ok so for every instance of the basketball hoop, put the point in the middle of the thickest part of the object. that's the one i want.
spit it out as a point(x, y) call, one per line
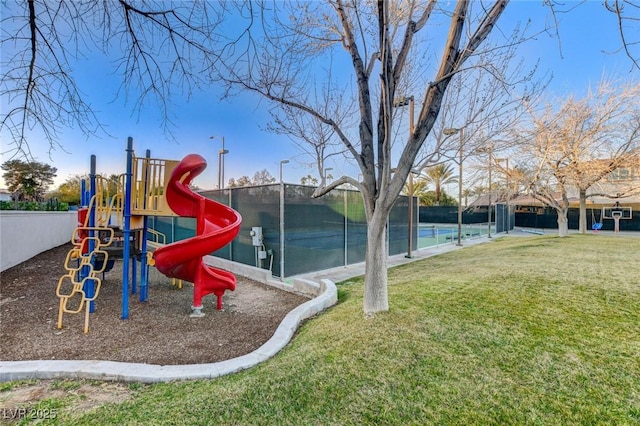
point(621, 212)
point(617, 213)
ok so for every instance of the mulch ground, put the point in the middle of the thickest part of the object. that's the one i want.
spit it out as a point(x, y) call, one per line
point(159, 331)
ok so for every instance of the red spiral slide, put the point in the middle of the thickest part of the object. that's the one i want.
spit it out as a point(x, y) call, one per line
point(216, 226)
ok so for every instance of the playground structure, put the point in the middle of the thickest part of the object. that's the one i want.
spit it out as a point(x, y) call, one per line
point(112, 224)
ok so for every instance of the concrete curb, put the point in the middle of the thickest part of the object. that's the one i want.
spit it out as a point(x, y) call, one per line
point(326, 296)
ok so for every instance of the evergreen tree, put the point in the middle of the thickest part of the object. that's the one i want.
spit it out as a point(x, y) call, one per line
point(28, 181)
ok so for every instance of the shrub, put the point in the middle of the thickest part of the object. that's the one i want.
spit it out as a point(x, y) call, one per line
point(50, 205)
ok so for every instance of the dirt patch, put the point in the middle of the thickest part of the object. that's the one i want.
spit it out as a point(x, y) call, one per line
point(159, 331)
point(22, 401)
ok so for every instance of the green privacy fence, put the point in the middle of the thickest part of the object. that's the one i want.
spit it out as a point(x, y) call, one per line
point(502, 216)
point(314, 234)
point(319, 233)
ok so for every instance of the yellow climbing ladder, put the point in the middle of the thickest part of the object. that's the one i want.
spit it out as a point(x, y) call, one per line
point(71, 289)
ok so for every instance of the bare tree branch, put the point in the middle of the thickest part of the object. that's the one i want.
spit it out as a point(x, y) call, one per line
point(624, 11)
point(42, 39)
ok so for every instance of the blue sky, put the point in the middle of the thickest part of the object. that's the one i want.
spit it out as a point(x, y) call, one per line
point(588, 39)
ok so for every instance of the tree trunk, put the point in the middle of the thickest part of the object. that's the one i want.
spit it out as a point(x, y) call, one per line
point(563, 223)
point(376, 298)
point(582, 227)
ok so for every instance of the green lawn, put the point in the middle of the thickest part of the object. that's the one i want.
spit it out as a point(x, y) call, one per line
point(537, 330)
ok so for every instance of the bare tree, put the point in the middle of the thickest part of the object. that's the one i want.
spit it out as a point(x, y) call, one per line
point(481, 107)
point(377, 38)
point(575, 146)
point(484, 101)
point(163, 49)
point(240, 182)
point(316, 140)
point(261, 177)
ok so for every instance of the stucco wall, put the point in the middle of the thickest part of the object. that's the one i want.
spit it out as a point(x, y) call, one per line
point(24, 234)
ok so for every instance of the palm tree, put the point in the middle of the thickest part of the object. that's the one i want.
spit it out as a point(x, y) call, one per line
point(466, 193)
point(440, 175)
point(420, 190)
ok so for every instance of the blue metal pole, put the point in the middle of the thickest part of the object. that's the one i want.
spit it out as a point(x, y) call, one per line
point(89, 287)
point(83, 193)
point(127, 230)
point(83, 203)
point(144, 273)
point(134, 274)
